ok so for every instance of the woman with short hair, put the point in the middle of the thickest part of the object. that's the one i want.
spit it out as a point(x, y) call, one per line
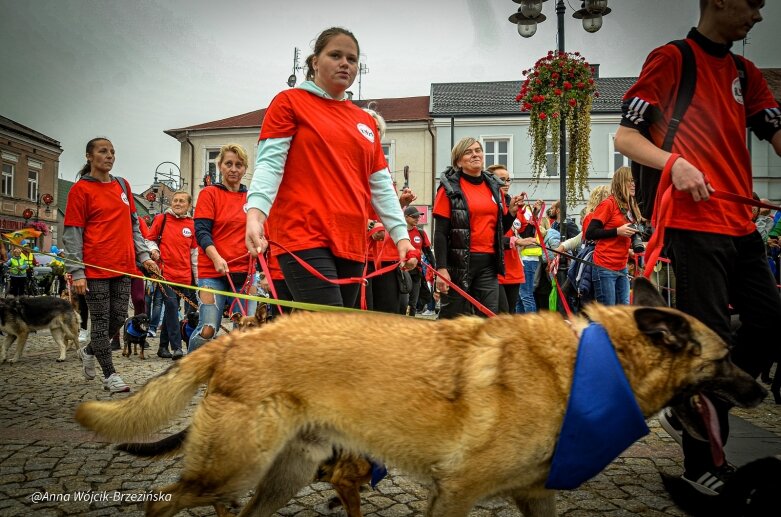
point(471, 213)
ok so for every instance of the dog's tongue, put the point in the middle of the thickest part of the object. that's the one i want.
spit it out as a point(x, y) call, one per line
point(711, 421)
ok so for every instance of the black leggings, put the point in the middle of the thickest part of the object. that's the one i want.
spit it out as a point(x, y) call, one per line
point(108, 300)
point(305, 287)
point(508, 297)
point(483, 286)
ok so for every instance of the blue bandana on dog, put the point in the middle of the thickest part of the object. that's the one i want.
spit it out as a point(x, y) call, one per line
point(133, 331)
point(602, 418)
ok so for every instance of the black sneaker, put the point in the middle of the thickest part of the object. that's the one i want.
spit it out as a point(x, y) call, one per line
point(710, 482)
point(164, 353)
point(671, 424)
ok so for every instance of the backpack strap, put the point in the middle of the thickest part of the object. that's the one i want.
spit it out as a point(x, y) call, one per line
point(162, 227)
point(685, 91)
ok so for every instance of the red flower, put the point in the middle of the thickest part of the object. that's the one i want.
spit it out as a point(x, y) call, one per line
point(590, 81)
point(558, 92)
point(596, 94)
point(554, 75)
point(572, 102)
point(518, 97)
point(527, 106)
point(543, 116)
point(581, 85)
point(555, 115)
point(567, 85)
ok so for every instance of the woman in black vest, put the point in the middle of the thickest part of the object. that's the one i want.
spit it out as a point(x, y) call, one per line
point(471, 213)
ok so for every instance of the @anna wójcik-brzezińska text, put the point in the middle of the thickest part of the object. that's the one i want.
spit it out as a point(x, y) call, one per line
point(95, 496)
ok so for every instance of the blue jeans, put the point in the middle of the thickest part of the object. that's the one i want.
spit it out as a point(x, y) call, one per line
point(525, 301)
point(610, 287)
point(210, 314)
point(154, 305)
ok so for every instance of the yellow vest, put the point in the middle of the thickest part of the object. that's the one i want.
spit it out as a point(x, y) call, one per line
point(17, 266)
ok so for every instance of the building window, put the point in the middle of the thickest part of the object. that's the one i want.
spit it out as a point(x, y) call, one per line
point(553, 166)
point(617, 160)
point(8, 180)
point(32, 185)
point(211, 165)
point(389, 150)
point(498, 150)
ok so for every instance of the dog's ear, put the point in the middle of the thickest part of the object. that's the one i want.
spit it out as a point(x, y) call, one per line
point(666, 328)
point(645, 293)
point(235, 317)
point(262, 313)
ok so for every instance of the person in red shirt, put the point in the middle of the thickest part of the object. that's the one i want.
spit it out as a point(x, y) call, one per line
point(612, 225)
point(471, 213)
point(420, 240)
point(717, 255)
point(319, 166)
point(102, 231)
point(219, 230)
point(174, 233)
point(511, 281)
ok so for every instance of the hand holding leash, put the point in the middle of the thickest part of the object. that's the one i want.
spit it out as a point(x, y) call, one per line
point(151, 266)
point(408, 255)
point(254, 238)
point(688, 178)
point(79, 286)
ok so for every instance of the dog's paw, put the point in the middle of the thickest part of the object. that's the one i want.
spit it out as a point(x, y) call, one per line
point(12, 360)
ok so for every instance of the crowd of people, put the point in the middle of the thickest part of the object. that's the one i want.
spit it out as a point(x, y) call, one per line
point(490, 252)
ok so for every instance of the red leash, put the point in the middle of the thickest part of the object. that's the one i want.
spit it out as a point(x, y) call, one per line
point(663, 211)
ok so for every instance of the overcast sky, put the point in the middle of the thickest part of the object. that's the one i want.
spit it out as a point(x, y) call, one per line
point(130, 69)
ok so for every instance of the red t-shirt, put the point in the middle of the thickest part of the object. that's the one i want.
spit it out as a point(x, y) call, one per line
point(175, 245)
point(712, 134)
point(612, 252)
point(227, 211)
point(103, 210)
point(324, 196)
point(418, 238)
point(483, 214)
point(586, 219)
point(512, 259)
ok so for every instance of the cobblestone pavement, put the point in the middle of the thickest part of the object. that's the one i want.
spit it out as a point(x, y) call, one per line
point(44, 453)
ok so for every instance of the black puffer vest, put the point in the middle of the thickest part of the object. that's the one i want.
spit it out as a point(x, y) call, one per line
point(459, 238)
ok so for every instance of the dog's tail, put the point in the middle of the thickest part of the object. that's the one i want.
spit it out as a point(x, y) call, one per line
point(165, 447)
point(156, 403)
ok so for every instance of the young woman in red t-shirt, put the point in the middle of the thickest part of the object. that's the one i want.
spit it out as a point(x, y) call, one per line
point(219, 230)
point(319, 166)
point(101, 229)
point(611, 226)
point(471, 213)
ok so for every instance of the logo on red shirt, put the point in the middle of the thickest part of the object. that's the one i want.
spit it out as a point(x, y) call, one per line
point(124, 199)
point(187, 233)
point(416, 239)
point(737, 92)
point(366, 132)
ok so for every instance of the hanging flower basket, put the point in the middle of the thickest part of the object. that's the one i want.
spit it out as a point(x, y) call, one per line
point(560, 85)
point(40, 226)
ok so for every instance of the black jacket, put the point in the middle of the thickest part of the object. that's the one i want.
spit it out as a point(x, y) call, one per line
point(454, 235)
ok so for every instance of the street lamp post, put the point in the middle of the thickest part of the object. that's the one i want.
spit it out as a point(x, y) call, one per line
point(175, 181)
point(528, 16)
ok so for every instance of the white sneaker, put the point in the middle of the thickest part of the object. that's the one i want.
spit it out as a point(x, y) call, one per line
point(428, 312)
point(83, 336)
point(151, 333)
point(115, 384)
point(87, 363)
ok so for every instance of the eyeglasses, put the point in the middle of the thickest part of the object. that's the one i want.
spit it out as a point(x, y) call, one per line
point(416, 216)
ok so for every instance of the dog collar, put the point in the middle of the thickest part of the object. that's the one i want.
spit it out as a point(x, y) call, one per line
point(133, 331)
point(602, 417)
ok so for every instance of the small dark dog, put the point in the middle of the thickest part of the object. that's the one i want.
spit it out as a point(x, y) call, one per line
point(245, 323)
point(134, 333)
point(751, 492)
point(188, 325)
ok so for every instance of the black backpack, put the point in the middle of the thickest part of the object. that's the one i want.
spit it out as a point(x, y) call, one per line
point(647, 178)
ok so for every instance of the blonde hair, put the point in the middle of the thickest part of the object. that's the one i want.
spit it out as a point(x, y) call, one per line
point(460, 148)
point(381, 126)
point(189, 196)
point(234, 148)
point(619, 188)
point(598, 195)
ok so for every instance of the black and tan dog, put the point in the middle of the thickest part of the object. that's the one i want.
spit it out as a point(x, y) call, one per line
point(134, 335)
point(22, 315)
point(244, 323)
point(477, 410)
